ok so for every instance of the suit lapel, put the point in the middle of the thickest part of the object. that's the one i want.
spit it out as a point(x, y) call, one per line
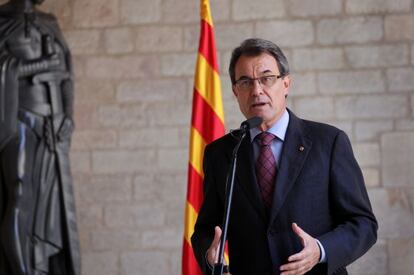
point(246, 179)
point(294, 153)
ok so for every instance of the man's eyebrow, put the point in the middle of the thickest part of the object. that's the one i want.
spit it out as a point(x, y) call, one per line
point(262, 73)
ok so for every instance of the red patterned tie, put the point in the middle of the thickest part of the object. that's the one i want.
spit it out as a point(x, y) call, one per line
point(266, 168)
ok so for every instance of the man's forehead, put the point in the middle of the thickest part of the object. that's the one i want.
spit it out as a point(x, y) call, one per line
point(258, 64)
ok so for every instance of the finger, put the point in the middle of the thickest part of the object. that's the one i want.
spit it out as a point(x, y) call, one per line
point(298, 256)
point(302, 234)
point(212, 255)
point(299, 267)
point(217, 235)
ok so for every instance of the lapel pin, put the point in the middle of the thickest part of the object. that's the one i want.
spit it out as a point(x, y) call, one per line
point(301, 148)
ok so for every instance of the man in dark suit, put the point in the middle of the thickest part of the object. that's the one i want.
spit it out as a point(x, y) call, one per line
point(299, 203)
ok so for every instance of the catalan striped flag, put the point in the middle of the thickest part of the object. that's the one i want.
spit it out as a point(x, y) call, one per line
point(207, 124)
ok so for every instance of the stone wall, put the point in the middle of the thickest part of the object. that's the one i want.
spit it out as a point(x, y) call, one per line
point(352, 66)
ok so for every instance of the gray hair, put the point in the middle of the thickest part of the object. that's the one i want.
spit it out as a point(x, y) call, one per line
point(255, 47)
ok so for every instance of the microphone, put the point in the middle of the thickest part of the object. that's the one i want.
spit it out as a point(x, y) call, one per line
point(250, 123)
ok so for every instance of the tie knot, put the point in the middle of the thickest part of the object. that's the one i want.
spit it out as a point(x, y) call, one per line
point(265, 138)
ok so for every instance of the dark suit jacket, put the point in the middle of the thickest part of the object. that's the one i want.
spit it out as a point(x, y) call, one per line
point(321, 188)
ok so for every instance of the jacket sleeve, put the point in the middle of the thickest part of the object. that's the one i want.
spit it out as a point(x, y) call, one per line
point(210, 214)
point(355, 225)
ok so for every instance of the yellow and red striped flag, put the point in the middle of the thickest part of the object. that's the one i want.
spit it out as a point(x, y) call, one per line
point(207, 124)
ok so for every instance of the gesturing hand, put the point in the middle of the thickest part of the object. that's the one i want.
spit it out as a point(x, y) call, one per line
point(305, 260)
point(213, 250)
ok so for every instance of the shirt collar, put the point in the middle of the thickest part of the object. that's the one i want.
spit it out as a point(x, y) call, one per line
point(278, 129)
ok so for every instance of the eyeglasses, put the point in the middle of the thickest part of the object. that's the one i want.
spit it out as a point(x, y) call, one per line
point(266, 81)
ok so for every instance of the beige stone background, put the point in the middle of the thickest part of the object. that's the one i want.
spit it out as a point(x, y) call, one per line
point(353, 66)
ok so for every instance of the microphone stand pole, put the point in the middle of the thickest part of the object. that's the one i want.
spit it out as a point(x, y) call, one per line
point(219, 267)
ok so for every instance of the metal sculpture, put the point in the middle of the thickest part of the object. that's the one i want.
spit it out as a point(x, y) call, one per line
point(38, 232)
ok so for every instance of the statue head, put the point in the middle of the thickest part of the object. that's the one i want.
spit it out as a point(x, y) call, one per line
point(37, 2)
point(26, 3)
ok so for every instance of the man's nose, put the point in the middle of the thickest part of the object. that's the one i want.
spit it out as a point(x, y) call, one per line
point(257, 88)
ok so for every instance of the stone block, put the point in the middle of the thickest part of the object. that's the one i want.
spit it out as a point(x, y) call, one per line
point(144, 262)
point(384, 106)
point(180, 11)
point(102, 263)
point(134, 216)
point(317, 59)
point(375, 262)
point(150, 138)
point(398, 161)
point(84, 238)
point(401, 253)
point(119, 40)
point(175, 259)
point(122, 67)
point(78, 65)
point(151, 90)
point(233, 116)
point(310, 107)
point(122, 161)
point(61, 9)
point(369, 130)
point(167, 114)
point(132, 116)
point(93, 92)
point(115, 240)
point(140, 11)
point(159, 39)
point(173, 187)
point(399, 27)
point(220, 10)
point(82, 42)
point(107, 188)
point(302, 84)
point(412, 54)
point(146, 189)
point(371, 177)
point(179, 64)
point(292, 33)
point(393, 211)
point(89, 216)
point(350, 30)
point(377, 56)
point(401, 79)
point(94, 139)
point(376, 6)
point(170, 159)
point(229, 36)
point(314, 8)
point(224, 61)
point(247, 10)
point(367, 154)
point(176, 216)
point(191, 38)
point(85, 116)
point(163, 239)
point(405, 124)
point(80, 161)
point(95, 13)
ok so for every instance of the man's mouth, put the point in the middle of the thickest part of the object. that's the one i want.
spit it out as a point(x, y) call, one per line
point(258, 105)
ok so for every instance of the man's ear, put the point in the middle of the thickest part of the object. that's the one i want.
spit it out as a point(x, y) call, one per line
point(233, 88)
point(287, 81)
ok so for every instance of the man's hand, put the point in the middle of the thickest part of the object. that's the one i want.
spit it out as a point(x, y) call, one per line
point(305, 260)
point(213, 250)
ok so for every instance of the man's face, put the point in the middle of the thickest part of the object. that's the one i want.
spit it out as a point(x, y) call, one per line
point(269, 103)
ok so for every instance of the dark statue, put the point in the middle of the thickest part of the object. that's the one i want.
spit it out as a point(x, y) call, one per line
point(38, 232)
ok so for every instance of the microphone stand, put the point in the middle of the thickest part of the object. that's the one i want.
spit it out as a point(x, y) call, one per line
point(219, 267)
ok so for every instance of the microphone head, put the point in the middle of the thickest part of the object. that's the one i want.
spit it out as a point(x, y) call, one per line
point(251, 123)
